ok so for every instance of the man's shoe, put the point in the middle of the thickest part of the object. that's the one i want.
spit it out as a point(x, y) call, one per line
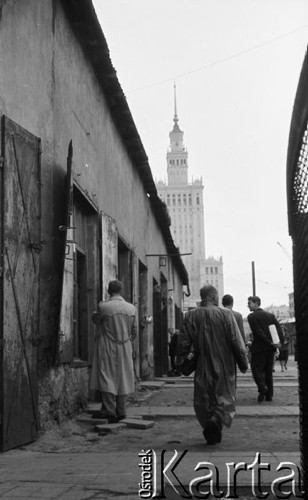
point(212, 433)
point(268, 395)
point(113, 419)
point(100, 414)
point(261, 397)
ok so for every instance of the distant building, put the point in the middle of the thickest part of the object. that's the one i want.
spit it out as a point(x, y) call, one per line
point(185, 204)
point(291, 305)
point(211, 273)
point(281, 312)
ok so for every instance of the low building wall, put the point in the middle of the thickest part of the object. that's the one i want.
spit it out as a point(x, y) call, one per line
point(63, 392)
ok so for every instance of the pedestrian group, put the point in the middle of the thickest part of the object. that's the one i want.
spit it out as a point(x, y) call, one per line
point(211, 342)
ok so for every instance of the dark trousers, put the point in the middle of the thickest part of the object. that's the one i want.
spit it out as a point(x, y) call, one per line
point(262, 371)
point(172, 361)
point(113, 405)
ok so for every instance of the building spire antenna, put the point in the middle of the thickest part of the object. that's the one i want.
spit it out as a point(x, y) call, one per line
point(175, 119)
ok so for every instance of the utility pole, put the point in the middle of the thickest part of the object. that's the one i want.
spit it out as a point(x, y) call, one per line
point(253, 278)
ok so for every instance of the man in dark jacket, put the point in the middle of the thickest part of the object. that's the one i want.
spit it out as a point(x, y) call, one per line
point(174, 334)
point(227, 301)
point(262, 348)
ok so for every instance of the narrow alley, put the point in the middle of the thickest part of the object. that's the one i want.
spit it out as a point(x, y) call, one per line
point(73, 461)
point(142, 200)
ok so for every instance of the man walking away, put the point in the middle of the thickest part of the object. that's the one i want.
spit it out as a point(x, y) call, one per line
point(112, 368)
point(227, 301)
point(212, 333)
point(262, 348)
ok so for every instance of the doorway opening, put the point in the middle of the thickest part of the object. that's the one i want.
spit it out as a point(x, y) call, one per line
point(125, 270)
point(87, 271)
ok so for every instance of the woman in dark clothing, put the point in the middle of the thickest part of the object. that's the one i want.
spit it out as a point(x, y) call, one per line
point(284, 351)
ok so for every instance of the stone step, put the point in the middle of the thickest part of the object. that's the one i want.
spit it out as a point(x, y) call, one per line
point(138, 423)
point(109, 428)
point(190, 380)
point(152, 384)
point(258, 410)
point(87, 419)
point(240, 385)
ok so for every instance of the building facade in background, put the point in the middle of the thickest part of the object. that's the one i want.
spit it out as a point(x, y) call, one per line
point(185, 205)
point(211, 273)
point(291, 305)
point(281, 312)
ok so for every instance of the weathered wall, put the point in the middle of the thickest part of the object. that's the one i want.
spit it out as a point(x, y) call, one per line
point(62, 392)
point(49, 88)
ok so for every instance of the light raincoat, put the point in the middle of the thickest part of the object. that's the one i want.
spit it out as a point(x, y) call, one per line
point(213, 334)
point(112, 367)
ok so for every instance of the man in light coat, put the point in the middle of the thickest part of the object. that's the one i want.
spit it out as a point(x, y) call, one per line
point(211, 332)
point(112, 368)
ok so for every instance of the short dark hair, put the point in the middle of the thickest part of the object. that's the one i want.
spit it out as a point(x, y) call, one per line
point(115, 286)
point(208, 292)
point(255, 299)
point(227, 300)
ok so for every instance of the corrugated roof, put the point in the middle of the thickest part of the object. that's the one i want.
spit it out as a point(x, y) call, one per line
point(82, 17)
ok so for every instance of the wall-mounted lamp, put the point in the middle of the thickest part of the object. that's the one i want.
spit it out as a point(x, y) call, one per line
point(146, 320)
point(162, 261)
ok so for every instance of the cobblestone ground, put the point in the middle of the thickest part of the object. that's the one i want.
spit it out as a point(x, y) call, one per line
point(283, 396)
point(265, 434)
point(245, 434)
point(251, 435)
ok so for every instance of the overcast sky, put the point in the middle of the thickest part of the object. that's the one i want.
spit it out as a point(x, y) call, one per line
point(236, 65)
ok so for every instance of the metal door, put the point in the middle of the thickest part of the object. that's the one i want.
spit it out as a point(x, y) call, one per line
point(19, 293)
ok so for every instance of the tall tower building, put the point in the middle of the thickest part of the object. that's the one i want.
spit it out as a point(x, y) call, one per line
point(185, 204)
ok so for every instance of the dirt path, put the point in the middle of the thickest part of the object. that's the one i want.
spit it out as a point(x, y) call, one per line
point(264, 434)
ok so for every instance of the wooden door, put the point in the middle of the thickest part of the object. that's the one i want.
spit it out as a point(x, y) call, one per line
point(157, 332)
point(125, 272)
point(64, 344)
point(19, 295)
